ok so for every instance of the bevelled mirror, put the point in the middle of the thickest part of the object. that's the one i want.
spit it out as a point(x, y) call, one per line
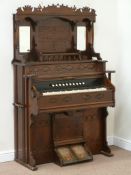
point(24, 39)
point(81, 37)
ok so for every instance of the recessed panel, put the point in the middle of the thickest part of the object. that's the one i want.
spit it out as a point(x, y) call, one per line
point(53, 36)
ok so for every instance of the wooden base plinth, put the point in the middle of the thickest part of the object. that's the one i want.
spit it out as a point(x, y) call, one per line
point(33, 168)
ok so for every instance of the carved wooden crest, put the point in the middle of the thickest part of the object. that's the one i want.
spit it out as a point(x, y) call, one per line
point(57, 10)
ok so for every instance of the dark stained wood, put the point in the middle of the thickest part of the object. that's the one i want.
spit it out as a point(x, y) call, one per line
point(67, 69)
point(44, 123)
point(58, 10)
point(68, 100)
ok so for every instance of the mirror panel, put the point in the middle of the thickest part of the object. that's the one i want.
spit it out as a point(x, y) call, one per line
point(81, 38)
point(24, 39)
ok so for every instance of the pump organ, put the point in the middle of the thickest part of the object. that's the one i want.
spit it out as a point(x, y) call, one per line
point(61, 92)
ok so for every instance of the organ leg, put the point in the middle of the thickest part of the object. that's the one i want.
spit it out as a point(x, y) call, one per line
point(105, 149)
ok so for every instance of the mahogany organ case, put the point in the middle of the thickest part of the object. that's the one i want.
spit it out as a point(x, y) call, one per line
point(61, 87)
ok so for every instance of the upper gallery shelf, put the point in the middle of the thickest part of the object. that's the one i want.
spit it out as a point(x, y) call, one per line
point(51, 30)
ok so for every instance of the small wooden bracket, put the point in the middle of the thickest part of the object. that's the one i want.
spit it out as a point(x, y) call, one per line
point(19, 105)
point(109, 72)
point(29, 76)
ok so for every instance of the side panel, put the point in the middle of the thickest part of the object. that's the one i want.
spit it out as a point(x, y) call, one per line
point(15, 111)
point(41, 141)
point(95, 129)
point(19, 90)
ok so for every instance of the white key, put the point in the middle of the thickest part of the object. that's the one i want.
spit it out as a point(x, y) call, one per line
point(74, 91)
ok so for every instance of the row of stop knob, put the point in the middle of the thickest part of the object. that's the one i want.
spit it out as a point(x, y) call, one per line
point(67, 84)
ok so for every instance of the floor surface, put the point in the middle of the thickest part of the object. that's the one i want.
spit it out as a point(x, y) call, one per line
point(119, 164)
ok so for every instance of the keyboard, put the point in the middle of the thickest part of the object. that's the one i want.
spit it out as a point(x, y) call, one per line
point(74, 91)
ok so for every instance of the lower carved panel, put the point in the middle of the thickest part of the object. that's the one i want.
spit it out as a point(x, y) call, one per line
point(68, 126)
point(41, 138)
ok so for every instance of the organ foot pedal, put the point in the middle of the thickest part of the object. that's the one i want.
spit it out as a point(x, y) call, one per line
point(71, 154)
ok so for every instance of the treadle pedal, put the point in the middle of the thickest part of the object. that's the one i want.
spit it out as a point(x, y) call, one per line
point(71, 154)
